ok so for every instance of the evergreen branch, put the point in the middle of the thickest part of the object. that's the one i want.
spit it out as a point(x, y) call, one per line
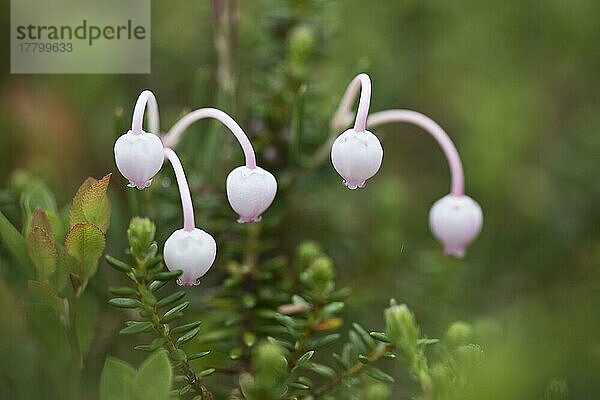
point(355, 370)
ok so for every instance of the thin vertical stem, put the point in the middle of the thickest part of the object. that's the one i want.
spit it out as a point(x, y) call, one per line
point(223, 24)
point(184, 190)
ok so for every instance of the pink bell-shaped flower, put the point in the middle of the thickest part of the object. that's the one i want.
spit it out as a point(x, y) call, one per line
point(250, 192)
point(193, 252)
point(455, 221)
point(139, 157)
point(356, 156)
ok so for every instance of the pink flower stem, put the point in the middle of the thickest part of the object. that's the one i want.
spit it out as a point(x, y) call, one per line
point(184, 190)
point(429, 125)
point(146, 98)
point(172, 137)
point(344, 112)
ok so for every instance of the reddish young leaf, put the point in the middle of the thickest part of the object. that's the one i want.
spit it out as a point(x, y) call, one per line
point(64, 264)
point(40, 219)
point(42, 252)
point(76, 212)
point(85, 243)
point(95, 204)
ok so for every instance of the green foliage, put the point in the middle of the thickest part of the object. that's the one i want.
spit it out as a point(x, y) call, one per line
point(281, 329)
point(85, 244)
point(147, 276)
point(54, 261)
point(518, 98)
point(42, 252)
point(90, 204)
point(270, 370)
point(36, 195)
point(15, 244)
point(153, 380)
point(50, 260)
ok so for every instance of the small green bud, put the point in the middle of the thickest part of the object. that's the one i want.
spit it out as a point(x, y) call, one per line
point(322, 270)
point(307, 252)
point(557, 389)
point(270, 366)
point(458, 333)
point(301, 44)
point(377, 391)
point(401, 327)
point(319, 276)
point(270, 356)
point(18, 180)
point(141, 235)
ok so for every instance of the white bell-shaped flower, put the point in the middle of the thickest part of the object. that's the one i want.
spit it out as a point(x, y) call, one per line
point(139, 157)
point(193, 252)
point(356, 156)
point(250, 192)
point(455, 221)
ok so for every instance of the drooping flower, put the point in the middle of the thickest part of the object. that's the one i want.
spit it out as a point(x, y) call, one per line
point(250, 192)
point(139, 157)
point(250, 189)
point(455, 221)
point(193, 252)
point(356, 156)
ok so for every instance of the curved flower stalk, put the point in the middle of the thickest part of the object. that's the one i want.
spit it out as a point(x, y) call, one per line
point(189, 249)
point(146, 102)
point(138, 154)
point(250, 189)
point(344, 114)
point(455, 219)
point(356, 154)
point(436, 131)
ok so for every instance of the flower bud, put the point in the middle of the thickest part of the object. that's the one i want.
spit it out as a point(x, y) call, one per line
point(250, 192)
point(458, 333)
point(356, 156)
point(18, 180)
point(322, 270)
point(307, 252)
point(270, 371)
point(139, 157)
point(301, 44)
point(455, 221)
point(193, 252)
point(401, 327)
point(140, 234)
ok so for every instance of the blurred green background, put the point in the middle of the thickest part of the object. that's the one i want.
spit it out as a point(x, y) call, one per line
point(515, 84)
